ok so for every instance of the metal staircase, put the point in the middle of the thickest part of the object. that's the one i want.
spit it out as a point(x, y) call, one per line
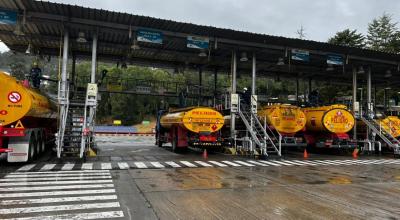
point(376, 127)
point(262, 137)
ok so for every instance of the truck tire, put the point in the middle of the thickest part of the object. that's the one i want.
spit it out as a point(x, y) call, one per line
point(175, 142)
point(32, 147)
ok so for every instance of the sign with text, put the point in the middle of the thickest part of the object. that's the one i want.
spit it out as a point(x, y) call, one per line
point(334, 59)
point(300, 55)
point(198, 42)
point(150, 36)
point(8, 17)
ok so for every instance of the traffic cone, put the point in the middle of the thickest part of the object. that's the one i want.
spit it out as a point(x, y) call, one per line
point(205, 154)
point(305, 154)
point(355, 153)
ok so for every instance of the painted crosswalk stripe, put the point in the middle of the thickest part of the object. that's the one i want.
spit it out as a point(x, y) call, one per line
point(270, 163)
point(257, 163)
point(55, 178)
point(392, 161)
point(187, 163)
point(217, 163)
point(61, 171)
point(91, 215)
point(305, 162)
point(204, 164)
point(244, 163)
point(68, 166)
point(140, 165)
point(323, 162)
point(57, 199)
point(123, 165)
point(87, 166)
point(56, 175)
point(157, 164)
point(57, 193)
point(26, 183)
point(292, 162)
point(231, 163)
point(27, 167)
point(106, 166)
point(59, 208)
point(48, 166)
point(283, 163)
point(40, 188)
point(173, 164)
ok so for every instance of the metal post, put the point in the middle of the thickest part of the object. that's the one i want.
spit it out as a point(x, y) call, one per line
point(369, 91)
point(253, 75)
point(94, 59)
point(73, 71)
point(233, 88)
point(64, 65)
point(354, 100)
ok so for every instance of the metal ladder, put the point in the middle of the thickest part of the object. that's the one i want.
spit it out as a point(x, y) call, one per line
point(375, 126)
point(260, 136)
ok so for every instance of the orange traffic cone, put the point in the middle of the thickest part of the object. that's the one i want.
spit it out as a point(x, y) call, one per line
point(205, 154)
point(355, 153)
point(305, 154)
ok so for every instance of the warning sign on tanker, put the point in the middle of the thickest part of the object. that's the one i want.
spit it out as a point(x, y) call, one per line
point(14, 97)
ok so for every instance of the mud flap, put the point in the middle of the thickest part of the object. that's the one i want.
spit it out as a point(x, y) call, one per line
point(20, 148)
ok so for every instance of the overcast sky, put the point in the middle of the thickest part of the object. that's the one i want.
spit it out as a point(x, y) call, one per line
point(320, 18)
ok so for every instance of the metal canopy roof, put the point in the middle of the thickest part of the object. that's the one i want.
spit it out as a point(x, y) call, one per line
point(45, 22)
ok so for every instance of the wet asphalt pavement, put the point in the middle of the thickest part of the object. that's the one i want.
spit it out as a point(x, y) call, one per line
point(329, 191)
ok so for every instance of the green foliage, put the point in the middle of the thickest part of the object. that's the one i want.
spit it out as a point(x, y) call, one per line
point(349, 38)
point(383, 35)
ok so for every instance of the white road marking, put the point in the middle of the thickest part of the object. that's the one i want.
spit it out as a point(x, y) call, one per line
point(56, 175)
point(244, 163)
point(305, 162)
point(231, 163)
point(39, 188)
point(123, 165)
point(257, 163)
point(87, 166)
point(61, 171)
point(392, 161)
point(292, 162)
point(25, 183)
point(68, 166)
point(157, 164)
point(270, 163)
point(58, 199)
point(173, 164)
point(204, 164)
point(188, 164)
point(57, 193)
point(56, 178)
point(48, 166)
point(140, 165)
point(283, 163)
point(94, 215)
point(106, 166)
point(27, 167)
point(217, 163)
point(59, 208)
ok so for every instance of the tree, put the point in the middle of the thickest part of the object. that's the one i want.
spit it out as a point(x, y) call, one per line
point(383, 34)
point(348, 38)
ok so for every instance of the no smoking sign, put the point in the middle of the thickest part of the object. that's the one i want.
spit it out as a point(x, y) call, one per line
point(14, 97)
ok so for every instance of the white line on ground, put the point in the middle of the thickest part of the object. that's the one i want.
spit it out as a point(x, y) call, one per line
point(204, 164)
point(292, 162)
point(87, 166)
point(106, 166)
point(305, 162)
point(27, 167)
point(123, 165)
point(244, 163)
point(68, 166)
point(157, 164)
point(58, 199)
point(55, 178)
point(57, 193)
point(41, 188)
point(173, 164)
point(61, 171)
point(92, 215)
point(257, 163)
point(55, 175)
point(231, 163)
point(217, 163)
point(48, 167)
point(25, 183)
point(59, 208)
point(283, 163)
point(188, 164)
point(270, 163)
point(140, 165)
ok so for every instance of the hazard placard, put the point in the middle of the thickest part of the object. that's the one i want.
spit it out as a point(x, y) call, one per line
point(19, 124)
point(14, 97)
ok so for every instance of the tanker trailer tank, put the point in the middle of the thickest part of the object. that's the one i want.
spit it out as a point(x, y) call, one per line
point(190, 127)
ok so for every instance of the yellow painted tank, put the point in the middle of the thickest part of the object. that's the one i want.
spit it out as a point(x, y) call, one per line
point(286, 119)
point(197, 119)
point(391, 124)
point(19, 102)
point(333, 118)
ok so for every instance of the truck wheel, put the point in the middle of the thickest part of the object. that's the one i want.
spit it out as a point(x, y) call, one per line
point(159, 143)
point(175, 142)
point(31, 148)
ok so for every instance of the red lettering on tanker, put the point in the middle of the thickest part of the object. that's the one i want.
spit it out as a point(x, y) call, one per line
point(3, 112)
point(203, 113)
point(339, 118)
point(14, 97)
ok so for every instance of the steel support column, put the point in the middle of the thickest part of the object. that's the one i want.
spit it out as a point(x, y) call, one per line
point(369, 91)
point(253, 75)
point(354, 100)
point(64, 65)
point(233, 89)
point(94, 59)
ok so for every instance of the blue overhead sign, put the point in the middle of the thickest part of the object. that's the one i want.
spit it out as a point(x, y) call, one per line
point(149, 36)
point(301, 55)
point(8, 17)
point(334, 59)
point(198, 42)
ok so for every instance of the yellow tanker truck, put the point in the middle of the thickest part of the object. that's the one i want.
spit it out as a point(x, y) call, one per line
point(391, 124)
point(27, 120)
point(189, 127)
point(328, 126)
